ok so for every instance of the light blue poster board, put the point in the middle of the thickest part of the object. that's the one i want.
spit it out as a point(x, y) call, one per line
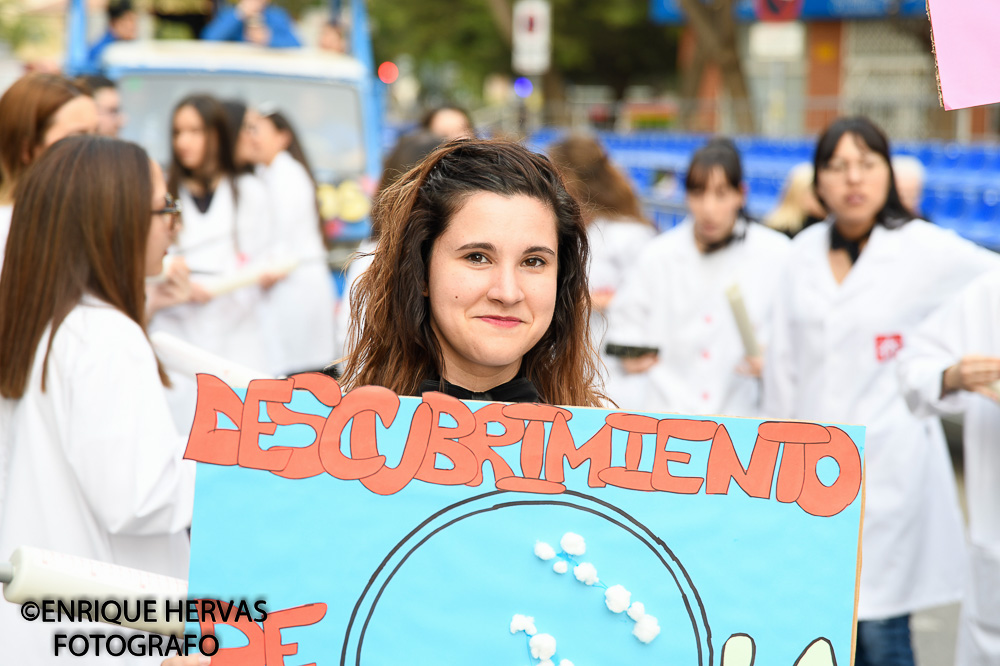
point(399, 545)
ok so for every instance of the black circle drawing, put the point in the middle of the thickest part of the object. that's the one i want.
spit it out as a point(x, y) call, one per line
point(494, 501)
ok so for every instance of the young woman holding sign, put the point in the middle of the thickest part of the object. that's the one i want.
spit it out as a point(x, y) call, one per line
point(478, 286)
point(90, 461)
point(857, 285)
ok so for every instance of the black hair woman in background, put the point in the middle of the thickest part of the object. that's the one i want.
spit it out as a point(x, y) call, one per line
point(856, 288)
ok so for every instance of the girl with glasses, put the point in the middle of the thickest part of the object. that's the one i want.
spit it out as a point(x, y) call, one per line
point(90, 460)
point(857, 286)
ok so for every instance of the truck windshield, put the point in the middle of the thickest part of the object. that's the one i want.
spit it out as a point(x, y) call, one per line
point(326, 114)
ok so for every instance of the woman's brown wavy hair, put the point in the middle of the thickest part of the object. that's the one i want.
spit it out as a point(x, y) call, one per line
point(390, 340)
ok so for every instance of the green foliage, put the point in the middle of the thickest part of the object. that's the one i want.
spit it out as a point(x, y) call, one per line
point(610, 42)
point(437, 32)
point(15, 28)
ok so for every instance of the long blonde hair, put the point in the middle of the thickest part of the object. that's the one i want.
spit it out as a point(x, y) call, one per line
point(790, 214)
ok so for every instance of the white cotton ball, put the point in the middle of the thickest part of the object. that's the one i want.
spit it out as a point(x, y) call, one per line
point(523, 623)
point(565, 662)
point(637, 610)
point(547, 662)
point(617, 598)
point(586, 573)
point(646, 628)
point(544, 551)
point(560, 567)
point(543, 646)
point(573, 543)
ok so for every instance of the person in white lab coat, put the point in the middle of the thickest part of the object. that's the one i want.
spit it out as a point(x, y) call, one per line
point(674, 299)
point(407, 153)
point(618, 232)
point(225, 223)
point(952, 366)
point(90, 461)
point(35, 112)
point(301, 303)
point(856, 288)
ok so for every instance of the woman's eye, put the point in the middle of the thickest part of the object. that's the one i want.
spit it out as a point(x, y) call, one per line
point(476, 258)
point(535, 262)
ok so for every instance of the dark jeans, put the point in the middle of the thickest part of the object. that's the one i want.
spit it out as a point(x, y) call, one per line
point(884, 642)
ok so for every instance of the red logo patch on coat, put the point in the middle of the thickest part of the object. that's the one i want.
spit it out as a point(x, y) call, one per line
point(887, 346)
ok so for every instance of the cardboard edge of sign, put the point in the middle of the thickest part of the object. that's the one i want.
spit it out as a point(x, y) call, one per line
point(937, 77)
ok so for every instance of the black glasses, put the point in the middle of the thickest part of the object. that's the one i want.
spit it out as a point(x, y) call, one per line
point(171, 206)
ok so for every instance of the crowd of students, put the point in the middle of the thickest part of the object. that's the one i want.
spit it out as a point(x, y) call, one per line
point(493, 273)
point(837, 314)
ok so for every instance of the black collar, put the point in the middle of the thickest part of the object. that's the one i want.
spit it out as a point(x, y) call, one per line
point(519, 389)
point(853, 247)
point(738, 234)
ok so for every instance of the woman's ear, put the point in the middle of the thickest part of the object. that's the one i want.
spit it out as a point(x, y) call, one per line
point(286, 139)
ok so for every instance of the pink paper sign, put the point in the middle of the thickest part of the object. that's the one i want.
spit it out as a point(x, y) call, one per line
point(968, 50)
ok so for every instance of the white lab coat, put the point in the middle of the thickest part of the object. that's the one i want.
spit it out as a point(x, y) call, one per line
point(614, 246)
point(300, 308)
point(5, 215)
point(968, 325)
point(93, 464)
point(230, 235)
point(832, 359)
point(674, 299)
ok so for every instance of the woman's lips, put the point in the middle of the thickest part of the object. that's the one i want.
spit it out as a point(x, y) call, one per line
point(501, 322)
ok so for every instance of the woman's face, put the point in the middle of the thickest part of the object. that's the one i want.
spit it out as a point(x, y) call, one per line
point(854, 184)
point(244, 140)
point(714, 209)
point(77, 116)
point(190, 138)
point(492, 286)
point(161, 229)
point(265, 139)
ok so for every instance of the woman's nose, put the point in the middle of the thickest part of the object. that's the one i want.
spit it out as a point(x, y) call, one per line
point(505, 286)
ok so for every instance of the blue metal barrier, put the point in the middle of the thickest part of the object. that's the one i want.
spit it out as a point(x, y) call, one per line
point(962, 189)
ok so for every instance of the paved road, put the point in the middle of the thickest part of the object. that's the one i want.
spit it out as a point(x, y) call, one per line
point(934, 631)
point(934, 636)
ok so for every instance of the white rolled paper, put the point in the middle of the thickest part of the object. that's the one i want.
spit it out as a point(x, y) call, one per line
point(42, 575)
point(743, 323)
point(247, 277)
point(186, 359)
